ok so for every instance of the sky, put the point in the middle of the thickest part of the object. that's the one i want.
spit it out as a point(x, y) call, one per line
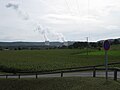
point(59, 20)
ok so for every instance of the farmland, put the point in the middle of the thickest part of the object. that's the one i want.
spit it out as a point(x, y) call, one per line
point(40, 60)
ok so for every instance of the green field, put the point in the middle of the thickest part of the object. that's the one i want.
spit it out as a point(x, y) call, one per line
point(39, 60)
point(71, 83)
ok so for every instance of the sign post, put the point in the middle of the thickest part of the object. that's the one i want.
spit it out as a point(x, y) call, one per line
point(106, 46)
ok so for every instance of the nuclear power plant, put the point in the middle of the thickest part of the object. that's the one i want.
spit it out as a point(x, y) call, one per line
point(47, 43)
point(65, 43)
point(42, 29)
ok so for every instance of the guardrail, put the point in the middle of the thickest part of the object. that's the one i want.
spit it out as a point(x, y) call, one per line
point(66, 70)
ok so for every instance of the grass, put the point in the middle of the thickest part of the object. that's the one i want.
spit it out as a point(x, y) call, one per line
point(71, 83)
point(55, 59)
point(34, 60)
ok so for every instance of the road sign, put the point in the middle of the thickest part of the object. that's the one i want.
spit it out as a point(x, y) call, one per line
point(106, 45)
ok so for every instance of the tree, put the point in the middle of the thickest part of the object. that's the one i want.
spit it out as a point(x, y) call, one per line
point(116, 41)
point(80, 44)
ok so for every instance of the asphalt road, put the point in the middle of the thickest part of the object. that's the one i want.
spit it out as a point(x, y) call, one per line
point(73, 74)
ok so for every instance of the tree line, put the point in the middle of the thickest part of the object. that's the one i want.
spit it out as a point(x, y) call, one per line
point(96, 45)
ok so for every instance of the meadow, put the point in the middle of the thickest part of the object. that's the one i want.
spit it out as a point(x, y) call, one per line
point(40, 60)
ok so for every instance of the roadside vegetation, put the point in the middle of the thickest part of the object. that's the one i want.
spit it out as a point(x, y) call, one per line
point(71, 83)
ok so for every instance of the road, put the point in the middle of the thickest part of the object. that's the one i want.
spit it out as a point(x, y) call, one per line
point(73, 74)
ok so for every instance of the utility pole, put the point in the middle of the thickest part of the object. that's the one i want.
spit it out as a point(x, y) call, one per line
point(87, 45)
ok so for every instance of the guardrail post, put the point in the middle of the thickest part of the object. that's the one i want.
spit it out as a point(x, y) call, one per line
point(19, 76)
point(115, 74)
point(6, 76)
point(94, 72)
point(36, 76)
point(61, 74)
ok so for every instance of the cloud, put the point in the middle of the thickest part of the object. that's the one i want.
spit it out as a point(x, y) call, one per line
point(67, 19)
point(113, 27)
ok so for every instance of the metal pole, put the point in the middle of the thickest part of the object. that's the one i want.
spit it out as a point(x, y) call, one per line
point(19, 76)
point(115, 74)
point(106, 64)
point(94, 72)
point(61, 74)
point(36, 76)
point(87, 45)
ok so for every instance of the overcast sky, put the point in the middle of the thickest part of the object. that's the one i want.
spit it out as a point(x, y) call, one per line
point(59, 20)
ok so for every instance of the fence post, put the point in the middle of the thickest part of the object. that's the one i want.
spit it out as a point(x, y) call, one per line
point(61, 74)
point(115, 74)
point(19, 76)
point(36, 76)
point(94, 72)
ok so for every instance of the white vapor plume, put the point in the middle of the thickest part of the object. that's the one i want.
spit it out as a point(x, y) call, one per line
point(45, 32)
point(59, 36)
point(42, 30)
point(15, 6)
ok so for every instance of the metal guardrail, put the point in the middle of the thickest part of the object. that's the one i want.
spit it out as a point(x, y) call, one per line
point(66, 70)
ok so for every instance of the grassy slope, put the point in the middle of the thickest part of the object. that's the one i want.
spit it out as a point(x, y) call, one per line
point(55, 59)
point(70, 83)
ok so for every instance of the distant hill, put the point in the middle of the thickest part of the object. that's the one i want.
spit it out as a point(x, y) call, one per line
point(111, 40)
point(47, 44)
point(32, 45)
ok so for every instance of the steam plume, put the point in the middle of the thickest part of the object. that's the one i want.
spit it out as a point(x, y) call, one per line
point(15, 6)
point(45, 32)
point(42, 30)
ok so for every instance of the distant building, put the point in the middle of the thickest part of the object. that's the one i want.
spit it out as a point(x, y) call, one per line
point(47, 43)
point(65, 43)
